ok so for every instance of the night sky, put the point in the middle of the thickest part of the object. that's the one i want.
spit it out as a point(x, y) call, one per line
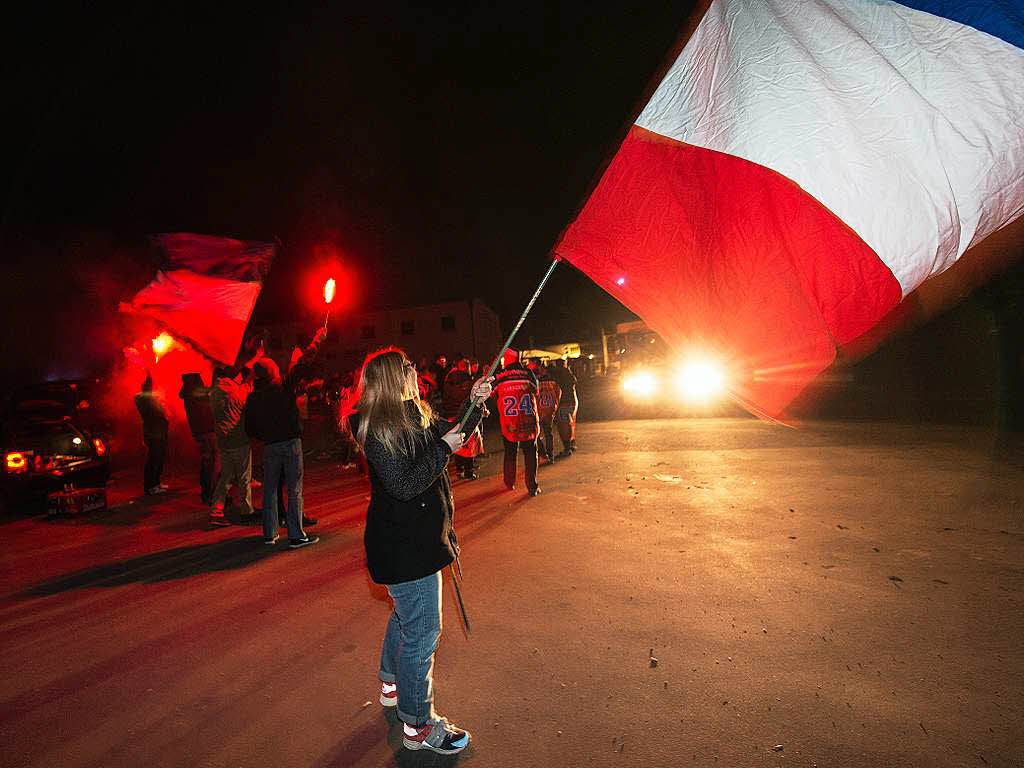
point(442, 153)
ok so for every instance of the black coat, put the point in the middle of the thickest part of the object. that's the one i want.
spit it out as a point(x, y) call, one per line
point(198, 410)
point(409, 522)
point(271, 414)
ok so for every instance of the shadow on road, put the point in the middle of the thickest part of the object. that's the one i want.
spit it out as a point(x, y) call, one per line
point(123, 513)
point(178, 563)
point(362, 741)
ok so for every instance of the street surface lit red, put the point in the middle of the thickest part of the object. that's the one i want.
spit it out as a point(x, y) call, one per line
point(838, 595)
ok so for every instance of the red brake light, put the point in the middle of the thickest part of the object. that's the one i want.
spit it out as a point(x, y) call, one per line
point(15, 462)
point(100, 447)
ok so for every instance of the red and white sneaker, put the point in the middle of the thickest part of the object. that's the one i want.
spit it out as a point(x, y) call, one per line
point(388, 694)
point(437, 735)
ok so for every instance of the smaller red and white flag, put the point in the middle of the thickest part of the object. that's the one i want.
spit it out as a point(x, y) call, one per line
point(205, 290)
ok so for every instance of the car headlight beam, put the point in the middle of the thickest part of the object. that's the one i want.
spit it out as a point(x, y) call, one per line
point(700, 380)
point(641, 384)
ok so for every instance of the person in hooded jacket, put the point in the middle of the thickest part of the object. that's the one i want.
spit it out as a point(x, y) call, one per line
point(272, 417)
point(409, 535)
point(227, 399)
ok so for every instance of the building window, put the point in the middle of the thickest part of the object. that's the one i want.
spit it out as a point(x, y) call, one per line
point(408, 328)
point(447, 322)
point(369, 332)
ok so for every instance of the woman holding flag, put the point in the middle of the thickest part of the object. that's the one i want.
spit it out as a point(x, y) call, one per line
point(409, 534)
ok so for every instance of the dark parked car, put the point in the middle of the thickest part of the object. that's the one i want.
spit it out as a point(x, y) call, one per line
point(46, 449)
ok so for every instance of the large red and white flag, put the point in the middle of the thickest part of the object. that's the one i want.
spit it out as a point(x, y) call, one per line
point(802, 167)
point(205, 290)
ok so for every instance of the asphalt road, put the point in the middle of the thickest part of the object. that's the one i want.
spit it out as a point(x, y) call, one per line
point(717, 592)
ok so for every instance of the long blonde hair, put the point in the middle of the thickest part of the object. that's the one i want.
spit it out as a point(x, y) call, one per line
point(381, 392)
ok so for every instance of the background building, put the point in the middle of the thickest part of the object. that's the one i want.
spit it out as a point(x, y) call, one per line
point(466, 328)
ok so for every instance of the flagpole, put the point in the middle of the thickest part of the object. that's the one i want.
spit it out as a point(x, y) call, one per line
point(458, 592)
point(475, 403)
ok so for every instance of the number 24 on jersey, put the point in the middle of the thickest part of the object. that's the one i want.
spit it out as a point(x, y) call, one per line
point(514, 406)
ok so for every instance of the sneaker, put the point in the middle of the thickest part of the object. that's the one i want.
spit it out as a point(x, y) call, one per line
point(155, 490)
point(388, 694)
point(305, 541)
point(510, 486)
point(218, 519)
point(564, 455)
point(271, 540)
point(471, 476)
point(437, 735)
point(535, 491)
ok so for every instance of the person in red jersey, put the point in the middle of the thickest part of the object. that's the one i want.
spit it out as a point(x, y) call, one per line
point(548, 395)
point(515, 394)
point(457, 385)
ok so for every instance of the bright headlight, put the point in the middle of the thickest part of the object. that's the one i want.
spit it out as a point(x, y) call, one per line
point(640, 384)
point(700, 380)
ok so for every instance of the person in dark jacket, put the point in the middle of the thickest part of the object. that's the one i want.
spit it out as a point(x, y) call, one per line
point(200, 420)
point(409, 536)
point(272, 417)
point(154, 434)
point(568, 404)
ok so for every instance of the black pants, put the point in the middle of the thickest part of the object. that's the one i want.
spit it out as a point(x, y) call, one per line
point(207, 466)
point(567, 432)
point(156, 453)
point(529, 459)
point(547, 439)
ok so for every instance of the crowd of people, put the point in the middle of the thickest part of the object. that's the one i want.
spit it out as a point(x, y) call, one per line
point(301, 412)
point(247, 406)
point(404, 422)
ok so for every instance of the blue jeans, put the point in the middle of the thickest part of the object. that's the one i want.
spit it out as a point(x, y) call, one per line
point(407, 657)
point(285, 457)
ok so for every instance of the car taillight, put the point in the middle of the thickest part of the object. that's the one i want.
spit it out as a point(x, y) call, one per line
point(100, 447)
point(15, 462)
